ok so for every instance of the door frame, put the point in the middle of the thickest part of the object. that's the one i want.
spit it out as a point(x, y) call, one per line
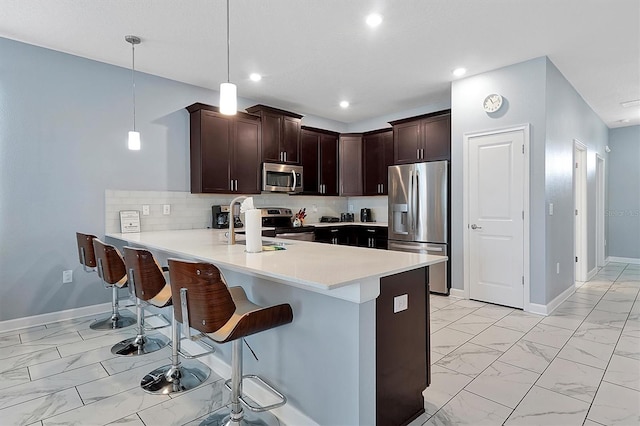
point(580, 203)
point(600, 206)
point(525, 128)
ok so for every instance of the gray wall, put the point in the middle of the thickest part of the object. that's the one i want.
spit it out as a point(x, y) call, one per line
point(623, 187)
point(522, 87)
point(568, 117)
point(63, 129)
point(536, 93)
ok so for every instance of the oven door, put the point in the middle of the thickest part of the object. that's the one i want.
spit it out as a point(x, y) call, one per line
point(281, 178)
point(300, 236)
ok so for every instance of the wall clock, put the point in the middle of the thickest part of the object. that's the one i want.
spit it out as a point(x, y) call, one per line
point(492, 102)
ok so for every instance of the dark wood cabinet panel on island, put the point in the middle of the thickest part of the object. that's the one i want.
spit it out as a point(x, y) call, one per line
point(423, 138)
point(376, 158)
point(225, 151)
point(280, 134)
point(350, 160)
point(319, 158)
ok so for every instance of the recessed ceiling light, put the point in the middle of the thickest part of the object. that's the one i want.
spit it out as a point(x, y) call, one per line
point(628, 104)
point(344, 104)
point(255, 76)
point(373, 20)
point(459, 72)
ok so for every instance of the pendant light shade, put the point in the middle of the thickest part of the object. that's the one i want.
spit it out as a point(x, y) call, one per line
point(228, 91)
point(134, 136)
point(134, 140)
point(228, 99)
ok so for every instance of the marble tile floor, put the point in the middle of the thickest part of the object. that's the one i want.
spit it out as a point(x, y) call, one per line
point(490, 365)
point(580, 365)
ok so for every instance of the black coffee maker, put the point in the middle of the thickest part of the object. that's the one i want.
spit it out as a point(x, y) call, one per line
point(365, 215)
point(220, 216)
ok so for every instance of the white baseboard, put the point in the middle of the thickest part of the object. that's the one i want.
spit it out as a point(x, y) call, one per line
point(35, 320)
point(592, 273)
point(536, 308)
point(455, 292)
point(623, 260)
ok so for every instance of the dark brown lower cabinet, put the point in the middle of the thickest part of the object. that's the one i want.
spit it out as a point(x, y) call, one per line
point(403, 367)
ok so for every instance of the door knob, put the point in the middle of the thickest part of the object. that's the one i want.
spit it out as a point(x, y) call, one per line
point(474, 226)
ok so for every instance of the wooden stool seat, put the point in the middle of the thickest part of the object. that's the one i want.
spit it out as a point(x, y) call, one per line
point(110, 268)
point(225, 315)
point(149, 287)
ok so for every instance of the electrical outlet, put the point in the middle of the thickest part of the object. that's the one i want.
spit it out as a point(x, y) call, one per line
point(314, 208)
point(67, 276)
point(145, 210)
point(166, 209)
point(400, 303)
point(350, 208)
point(558, 268)
point(550, 209)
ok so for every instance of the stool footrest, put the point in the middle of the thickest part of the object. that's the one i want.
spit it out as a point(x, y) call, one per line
point(167, 323)
point(198, 339)
point(255, 407)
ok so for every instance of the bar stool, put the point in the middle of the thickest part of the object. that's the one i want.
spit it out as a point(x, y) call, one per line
point(149, 287)
point(226, 315)
point(85, 251)
point(111, 270)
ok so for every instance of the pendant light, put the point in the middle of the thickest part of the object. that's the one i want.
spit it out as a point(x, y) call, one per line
point(228, 92)
point(134, 136)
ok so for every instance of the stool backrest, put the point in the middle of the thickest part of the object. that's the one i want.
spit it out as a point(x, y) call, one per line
point(148, 279)
point(86, 254)
point(209, 302)
point(113, 269)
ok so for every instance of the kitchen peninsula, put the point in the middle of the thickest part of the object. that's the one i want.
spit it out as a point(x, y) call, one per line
point(347, 356)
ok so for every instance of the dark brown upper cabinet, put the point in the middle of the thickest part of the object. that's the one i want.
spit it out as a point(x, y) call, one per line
point(377, 156)
point(225, 151)
point(280, 134)
point(319, 159)
point(423, 138)
point(350, 164)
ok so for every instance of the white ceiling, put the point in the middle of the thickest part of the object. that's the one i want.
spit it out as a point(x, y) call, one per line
point(315, 53)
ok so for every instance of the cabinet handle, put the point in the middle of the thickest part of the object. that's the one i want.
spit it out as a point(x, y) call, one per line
point(236, 185)
point(285, 156)
point(231, 185)
point(418, 153)
point(422, 153)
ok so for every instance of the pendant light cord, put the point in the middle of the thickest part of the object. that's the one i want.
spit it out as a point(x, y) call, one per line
point(228, 45)
point(133, 81)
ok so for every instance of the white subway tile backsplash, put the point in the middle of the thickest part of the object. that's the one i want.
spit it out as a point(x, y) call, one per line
point(193, 211)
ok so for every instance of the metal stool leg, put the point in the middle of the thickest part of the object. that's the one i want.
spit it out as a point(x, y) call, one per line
point(140, 344)
point(233, 414)
point(178, 376)
point(116, 320)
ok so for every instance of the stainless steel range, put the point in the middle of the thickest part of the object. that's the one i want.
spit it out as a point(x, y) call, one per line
point(281, 219)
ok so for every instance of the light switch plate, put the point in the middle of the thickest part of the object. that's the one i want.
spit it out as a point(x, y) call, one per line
point(166, 209)
point(400, 303)
point(145, 210)
point(67, 276)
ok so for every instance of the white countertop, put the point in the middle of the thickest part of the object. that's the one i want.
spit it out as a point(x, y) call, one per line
point(324, 268)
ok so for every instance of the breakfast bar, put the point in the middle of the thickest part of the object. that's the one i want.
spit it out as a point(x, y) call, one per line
point(360, 327)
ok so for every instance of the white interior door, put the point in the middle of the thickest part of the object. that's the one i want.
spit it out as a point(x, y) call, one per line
point(496, 217)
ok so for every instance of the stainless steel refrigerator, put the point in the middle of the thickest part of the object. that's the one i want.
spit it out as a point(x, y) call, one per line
point(418, 212)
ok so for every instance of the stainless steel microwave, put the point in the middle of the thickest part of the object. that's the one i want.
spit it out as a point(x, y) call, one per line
point(281, 178)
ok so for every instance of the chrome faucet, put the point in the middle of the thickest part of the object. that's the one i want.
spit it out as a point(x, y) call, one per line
point(232, 234)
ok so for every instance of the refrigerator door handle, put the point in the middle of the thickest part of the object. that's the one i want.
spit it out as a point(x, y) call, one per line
point(416, 204)
point(410, 206)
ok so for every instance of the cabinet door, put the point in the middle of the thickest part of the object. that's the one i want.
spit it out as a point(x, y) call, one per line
point(328, 164)
point(215, 153)
point(437, 138)
point(406, 141)
point(387, 143)
point(246, 162)
point(309, 158)
point(290, 143)
point(372, 163)
point(271, 134)
point(351, 165)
